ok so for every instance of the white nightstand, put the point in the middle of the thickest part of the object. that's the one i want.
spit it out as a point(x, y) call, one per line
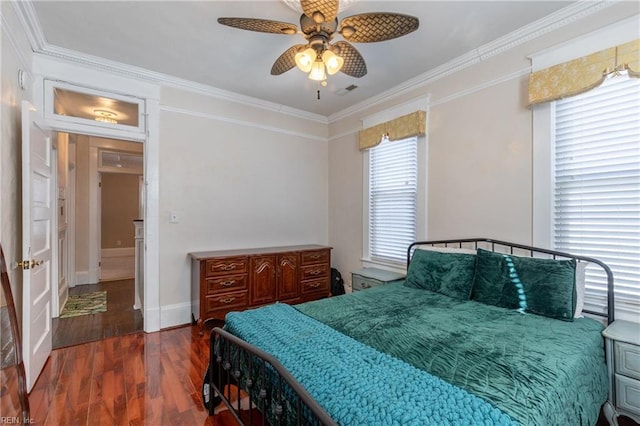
point(372, 277)
point(623, 357)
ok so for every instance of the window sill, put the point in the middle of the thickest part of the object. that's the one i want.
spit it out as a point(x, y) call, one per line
point(388, 266)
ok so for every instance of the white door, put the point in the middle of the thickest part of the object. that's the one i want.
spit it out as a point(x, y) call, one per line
point(37, 225)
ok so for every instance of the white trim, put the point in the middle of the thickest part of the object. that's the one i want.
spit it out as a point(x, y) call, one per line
point(216, 117)
point(28, 17)
point(49, 107)
point(542, 167)
point(117, 252)
point(94, 230)
point(151, 158)
point(176, 314)
point(559, 19)
point(612, 35)
point(7, 30)
point(83, 277)
point(543, 129)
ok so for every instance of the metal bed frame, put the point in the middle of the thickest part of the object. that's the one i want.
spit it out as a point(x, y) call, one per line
point(278, 397)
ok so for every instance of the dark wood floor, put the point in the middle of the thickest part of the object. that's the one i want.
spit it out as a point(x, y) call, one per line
point(120, 318)
point(135, 379)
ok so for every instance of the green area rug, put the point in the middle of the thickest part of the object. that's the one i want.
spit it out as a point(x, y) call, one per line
point(85, 304)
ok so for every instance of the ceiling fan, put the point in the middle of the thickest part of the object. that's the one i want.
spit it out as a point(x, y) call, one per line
point(319, 25)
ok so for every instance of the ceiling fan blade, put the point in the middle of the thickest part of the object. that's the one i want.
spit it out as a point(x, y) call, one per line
point(328, 9)
point(371, 27)
point(287, 60)
point(259, 25)
point(354, 64)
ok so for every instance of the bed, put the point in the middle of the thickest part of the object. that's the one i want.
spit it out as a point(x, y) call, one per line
point(480, 332)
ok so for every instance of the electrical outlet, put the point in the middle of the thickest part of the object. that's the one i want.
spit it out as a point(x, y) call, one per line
point(118, 242)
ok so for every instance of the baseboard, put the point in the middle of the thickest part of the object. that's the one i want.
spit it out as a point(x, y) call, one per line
point(174, 315)
point(87, 277)
point(151, 320)
point(118, 252)
point(83, 277)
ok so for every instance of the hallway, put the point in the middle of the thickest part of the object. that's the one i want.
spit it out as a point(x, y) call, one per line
point(120, 318)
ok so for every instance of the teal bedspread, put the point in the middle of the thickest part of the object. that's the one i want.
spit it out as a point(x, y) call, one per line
point(354, 383)
point(540, 371)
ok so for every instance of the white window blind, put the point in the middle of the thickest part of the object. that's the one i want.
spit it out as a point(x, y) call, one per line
point(393, 180)
point(597, 187)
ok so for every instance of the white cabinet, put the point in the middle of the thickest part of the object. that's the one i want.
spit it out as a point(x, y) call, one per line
point(623, 357)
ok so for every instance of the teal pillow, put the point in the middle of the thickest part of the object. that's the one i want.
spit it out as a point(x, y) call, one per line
point(450, 274)
point(539, 286)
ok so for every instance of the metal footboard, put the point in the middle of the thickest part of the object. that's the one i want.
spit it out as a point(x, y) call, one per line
point(272, 395)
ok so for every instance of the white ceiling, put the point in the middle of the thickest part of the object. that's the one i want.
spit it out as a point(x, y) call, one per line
point(183, 39)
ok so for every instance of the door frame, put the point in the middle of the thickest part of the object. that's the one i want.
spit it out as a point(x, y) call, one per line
point(121, 86)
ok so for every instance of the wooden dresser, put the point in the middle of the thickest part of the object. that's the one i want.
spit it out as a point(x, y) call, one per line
point(235, 280)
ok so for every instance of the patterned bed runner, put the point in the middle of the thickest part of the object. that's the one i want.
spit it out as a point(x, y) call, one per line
point(354, 383)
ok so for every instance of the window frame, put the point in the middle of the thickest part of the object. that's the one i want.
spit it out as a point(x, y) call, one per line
point(544, 190)
point(421, 208)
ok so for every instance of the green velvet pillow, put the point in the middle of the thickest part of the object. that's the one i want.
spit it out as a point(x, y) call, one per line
point(539, 286)
point(450, 274)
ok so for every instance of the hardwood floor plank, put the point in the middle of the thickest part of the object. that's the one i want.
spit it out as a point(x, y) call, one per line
point(135, 379)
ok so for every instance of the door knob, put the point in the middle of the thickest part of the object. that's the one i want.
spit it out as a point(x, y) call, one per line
point(28, 264)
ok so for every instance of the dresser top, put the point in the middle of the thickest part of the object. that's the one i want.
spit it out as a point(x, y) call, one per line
point(198, 255)
point(623, 331)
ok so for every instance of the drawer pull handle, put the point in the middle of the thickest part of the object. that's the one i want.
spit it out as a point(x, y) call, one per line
point(228, 283)
point(365, 285)
point(314, 285)
point(316, 272)
point(227, 300)
point(315, 256)
point(228, 267)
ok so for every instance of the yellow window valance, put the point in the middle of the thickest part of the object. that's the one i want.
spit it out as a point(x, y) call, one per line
point(583, 74)
point(414, 124)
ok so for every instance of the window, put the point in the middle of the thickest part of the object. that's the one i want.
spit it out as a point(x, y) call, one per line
point(596, 200)
point(393, 193)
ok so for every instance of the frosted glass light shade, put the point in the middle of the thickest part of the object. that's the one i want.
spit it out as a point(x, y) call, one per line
point(317, 71)
point(304, 60)
point(332, 61)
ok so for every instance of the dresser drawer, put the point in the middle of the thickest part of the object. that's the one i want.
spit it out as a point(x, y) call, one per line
point(320, 285)
point(314, 271)
point(227, 301)
point(363, 283)
point(627, 359)
point(628, 394)
point(226, 283)
point(314, 256)
point(231, 265)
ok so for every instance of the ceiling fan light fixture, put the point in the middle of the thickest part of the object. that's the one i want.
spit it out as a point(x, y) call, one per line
point(304, 60)
point(317, 71)
point(332, 61)
point(105, 116)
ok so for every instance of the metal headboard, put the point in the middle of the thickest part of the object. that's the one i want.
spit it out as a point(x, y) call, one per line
point(490, 244)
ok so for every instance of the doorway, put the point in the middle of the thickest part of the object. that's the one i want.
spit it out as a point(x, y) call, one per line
point(99, 187)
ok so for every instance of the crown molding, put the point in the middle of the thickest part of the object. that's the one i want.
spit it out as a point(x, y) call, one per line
point(13, 41)
point(31, 24)
point(565, 16)
point(559, 19)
